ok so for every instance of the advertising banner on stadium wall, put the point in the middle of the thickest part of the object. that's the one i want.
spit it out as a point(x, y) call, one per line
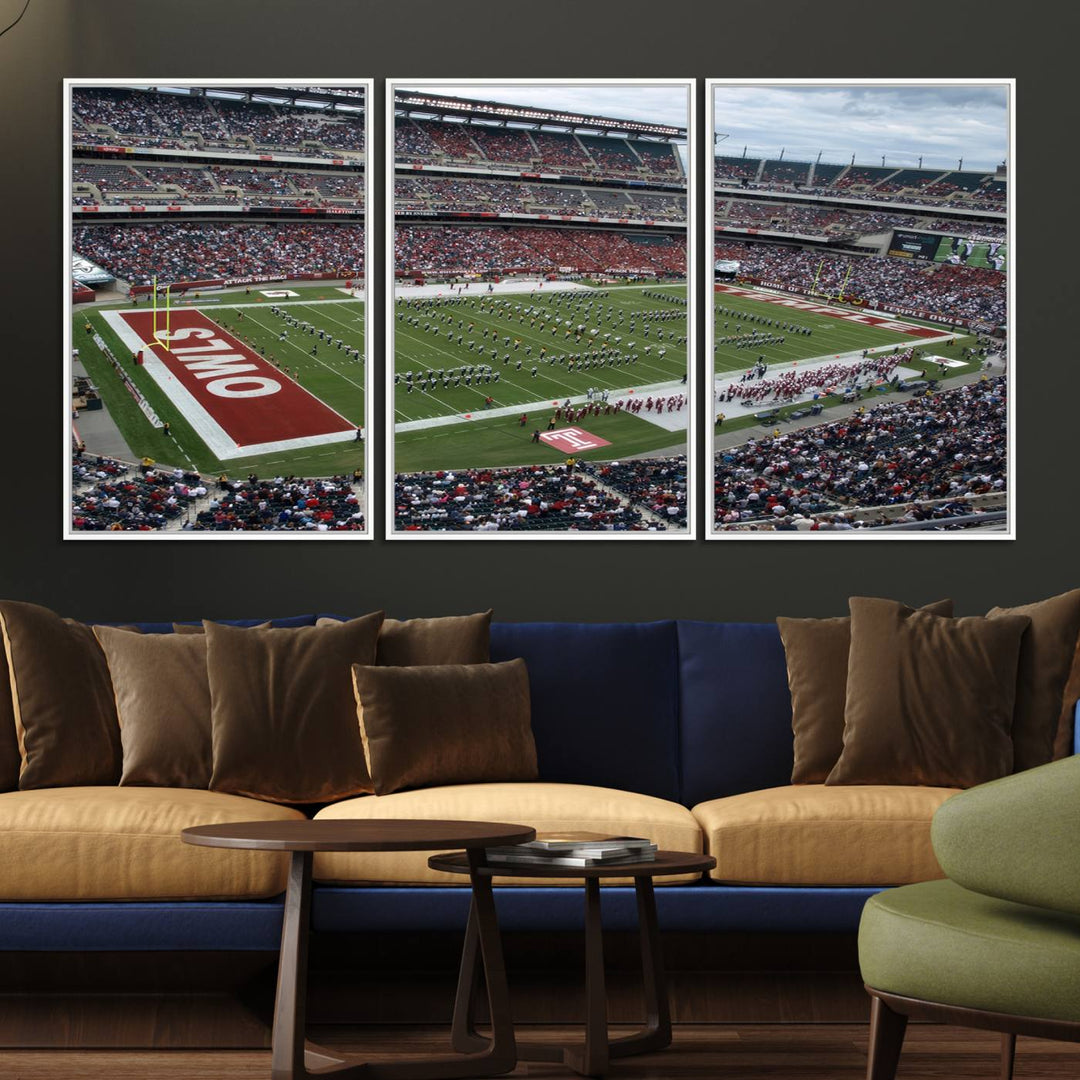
point(83, 270)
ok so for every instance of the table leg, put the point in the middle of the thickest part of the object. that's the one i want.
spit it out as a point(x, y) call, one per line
point(290, 1012)
point(657, 1031)
point(592, 1059)
point(463, 1034)
point(293, 1059)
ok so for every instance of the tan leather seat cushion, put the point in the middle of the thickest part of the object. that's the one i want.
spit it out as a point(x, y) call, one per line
point(123, 843)
point(546, 807)
point(810, 834)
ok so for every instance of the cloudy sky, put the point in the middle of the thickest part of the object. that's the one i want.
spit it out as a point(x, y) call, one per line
point(648, 104)
point(940, 123)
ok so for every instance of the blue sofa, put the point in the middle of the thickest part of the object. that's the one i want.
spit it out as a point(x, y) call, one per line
point(685, 712)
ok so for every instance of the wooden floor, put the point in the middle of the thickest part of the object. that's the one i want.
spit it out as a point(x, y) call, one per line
point(699, 1052)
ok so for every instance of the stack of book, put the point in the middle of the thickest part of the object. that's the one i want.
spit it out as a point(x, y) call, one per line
point(575, 849)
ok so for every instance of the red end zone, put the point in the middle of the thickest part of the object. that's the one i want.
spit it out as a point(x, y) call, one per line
point(238, 401)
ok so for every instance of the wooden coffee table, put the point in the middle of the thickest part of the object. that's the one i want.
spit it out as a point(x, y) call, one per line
point(591, 1058)
point(294, 1059)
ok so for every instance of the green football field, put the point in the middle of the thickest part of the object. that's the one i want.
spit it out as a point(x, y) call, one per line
point(829, 337)
point(334, 377)
point(548, 346)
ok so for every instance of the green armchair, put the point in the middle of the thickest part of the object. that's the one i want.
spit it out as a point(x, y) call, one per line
point(997, 944)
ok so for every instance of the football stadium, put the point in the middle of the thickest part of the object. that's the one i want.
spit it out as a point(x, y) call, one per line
point(540, 318)
point(859, 345)
point(218, 335)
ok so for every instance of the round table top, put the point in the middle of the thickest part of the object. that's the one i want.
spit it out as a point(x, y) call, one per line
point(375, 834)
point(666, 862)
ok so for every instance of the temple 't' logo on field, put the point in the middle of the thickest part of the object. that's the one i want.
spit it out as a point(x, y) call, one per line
point(573, 440)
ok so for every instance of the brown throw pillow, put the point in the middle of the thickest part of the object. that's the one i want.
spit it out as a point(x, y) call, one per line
point(447, 724)
point(9, 739)
point(454, 639)
point(282, 710)
point(197, 628)
point(62, 698)
point(163, 703)
point(1066, 734)
point(816, 651)
point(929, 699)
point(1046, 657)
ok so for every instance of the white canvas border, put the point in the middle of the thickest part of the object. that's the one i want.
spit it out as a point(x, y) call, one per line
point(693, 280)
point(709, 471)
point(371, 286)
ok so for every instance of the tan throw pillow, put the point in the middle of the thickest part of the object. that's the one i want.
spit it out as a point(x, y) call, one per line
point(816, 651)
point(62, 698)
point(197, 628)
point(447, 724)
point(929, 699)
point(9, 739)
point(1065, 738)
point(1046, 657)
point(163, 703)
point(454, 639)
point(282, 710)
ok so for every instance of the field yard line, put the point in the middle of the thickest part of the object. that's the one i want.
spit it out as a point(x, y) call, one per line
point(457, 363)
point(777, 366)
point(270, 330)
point(513, 410)
point(267, 304)
point(528, 337)
point(525, 335)
point(350, 329)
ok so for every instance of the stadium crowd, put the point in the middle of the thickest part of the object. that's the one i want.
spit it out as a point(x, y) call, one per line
point(162, 119)
point(526, 498)
point(420, 140)
point(215, 183)
point(508, 197)
point(929, 187)
point(453, 249)
point(947, 446)
point(656, 483)
point(282, 504)
point(178, 251)
point(112, 496)
point(940, 290)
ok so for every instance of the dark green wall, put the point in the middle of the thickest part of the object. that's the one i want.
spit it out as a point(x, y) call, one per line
point(476, 38)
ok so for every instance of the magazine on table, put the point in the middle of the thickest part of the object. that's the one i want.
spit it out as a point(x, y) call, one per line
point(576, 849)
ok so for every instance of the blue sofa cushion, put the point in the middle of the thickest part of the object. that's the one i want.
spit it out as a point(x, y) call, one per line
point(736, 709)
point(703, 907)
point(604, 701)
point(242, 925)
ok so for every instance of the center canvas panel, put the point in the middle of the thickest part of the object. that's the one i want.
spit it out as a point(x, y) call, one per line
point(540, 310)
point(218, 358)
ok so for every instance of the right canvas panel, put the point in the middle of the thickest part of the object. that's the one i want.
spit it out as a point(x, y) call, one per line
point(861, 337)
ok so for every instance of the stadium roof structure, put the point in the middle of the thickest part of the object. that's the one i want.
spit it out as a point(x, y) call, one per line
point(328, 97)
point(418, 103)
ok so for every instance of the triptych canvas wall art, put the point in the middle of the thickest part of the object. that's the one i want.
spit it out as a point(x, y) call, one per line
point(546, 310)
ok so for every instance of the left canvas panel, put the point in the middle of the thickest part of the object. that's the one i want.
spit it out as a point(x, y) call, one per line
point(217, 354)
